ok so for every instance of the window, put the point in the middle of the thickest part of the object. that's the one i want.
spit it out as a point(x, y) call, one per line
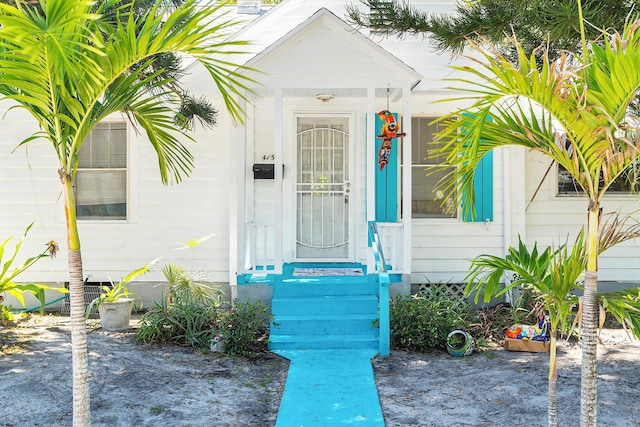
point(567, 186)
point(101, 178)
point(626, 183)
point(426, 171)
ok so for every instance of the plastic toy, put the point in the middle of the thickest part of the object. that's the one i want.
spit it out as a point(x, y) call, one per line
point(537, 332)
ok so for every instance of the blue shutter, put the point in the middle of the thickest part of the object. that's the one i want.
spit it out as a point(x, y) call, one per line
point(483, 190)
point(386, 180)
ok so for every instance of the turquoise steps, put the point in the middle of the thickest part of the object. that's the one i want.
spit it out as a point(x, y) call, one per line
point(323, 326)
point(321, 313)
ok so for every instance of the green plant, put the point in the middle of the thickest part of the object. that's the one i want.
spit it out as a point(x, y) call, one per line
point(71, 64)
point(179, 279)
point(455, 340)
point(244, 328)
point(156, 410)
point(8, 276)
point(423, 321)
point(187, 318)
point(120, 290)
point(577, 110)
point(551, 276)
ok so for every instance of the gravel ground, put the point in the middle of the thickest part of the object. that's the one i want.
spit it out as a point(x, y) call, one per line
point(135, 385)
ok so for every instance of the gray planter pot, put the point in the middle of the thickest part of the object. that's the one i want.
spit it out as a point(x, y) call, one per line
point(115, 316)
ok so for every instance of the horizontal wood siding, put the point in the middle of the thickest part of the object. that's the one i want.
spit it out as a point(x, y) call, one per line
point(444, 247)
point(161, 217)
point(553, 220)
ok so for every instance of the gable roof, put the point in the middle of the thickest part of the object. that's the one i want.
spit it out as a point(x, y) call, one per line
point(324, 51)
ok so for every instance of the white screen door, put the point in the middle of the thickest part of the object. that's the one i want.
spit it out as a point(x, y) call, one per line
point(322, 188)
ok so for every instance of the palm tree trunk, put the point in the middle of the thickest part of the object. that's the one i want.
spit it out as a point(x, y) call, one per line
point(552, 401)
point(588, 387)
point(79, 362)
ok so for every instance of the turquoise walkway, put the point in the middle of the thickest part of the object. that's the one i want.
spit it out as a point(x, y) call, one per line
point(330, 388)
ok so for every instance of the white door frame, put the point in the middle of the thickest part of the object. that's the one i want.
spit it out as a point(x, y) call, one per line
point(290, 159)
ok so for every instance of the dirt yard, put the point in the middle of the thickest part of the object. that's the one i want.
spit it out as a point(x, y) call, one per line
point(134, 385)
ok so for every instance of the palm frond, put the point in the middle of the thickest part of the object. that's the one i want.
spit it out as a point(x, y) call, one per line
point(625, 307)
point(615, 229)
point(575, 113)
point(70, 67)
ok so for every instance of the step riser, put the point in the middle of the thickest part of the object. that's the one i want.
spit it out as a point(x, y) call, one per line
point(322, 327)
point(284, 290)
point(326, 342)
point(321, 345)
point(328, 305)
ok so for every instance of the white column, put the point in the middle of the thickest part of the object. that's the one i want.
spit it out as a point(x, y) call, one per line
point(406, 191)
point(370, 155)
point(237, 205)
point(370, 171)
point(278, 142)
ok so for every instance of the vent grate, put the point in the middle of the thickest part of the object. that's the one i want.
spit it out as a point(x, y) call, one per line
point(91, 292)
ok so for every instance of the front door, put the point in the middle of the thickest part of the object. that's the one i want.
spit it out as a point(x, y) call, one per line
point(322, 189)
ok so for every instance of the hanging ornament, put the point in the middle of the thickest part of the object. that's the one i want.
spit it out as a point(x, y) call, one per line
point(389, 130)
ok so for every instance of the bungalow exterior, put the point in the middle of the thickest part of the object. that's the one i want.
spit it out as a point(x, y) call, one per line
point(298, 183)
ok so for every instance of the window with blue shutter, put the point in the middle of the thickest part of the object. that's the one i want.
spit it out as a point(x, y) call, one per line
point(483, 191)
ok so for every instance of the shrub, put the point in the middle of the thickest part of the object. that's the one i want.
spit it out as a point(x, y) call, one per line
point(422, 321)
point(188, 321)
point(193, 321)
point(245, 328)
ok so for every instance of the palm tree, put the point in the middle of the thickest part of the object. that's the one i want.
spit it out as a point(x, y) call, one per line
point(553, 275)
point(575, 111)
point(70, 68)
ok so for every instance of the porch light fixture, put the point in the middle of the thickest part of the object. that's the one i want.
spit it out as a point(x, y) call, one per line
point(325, 97)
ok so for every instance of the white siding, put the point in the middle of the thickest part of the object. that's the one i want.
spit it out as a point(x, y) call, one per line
point(552, 220)
point(444, 247)
point(161, 216)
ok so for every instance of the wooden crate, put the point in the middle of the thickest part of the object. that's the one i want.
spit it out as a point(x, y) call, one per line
point(527, 345)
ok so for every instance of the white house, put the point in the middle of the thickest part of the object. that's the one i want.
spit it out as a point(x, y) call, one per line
point(298, 183)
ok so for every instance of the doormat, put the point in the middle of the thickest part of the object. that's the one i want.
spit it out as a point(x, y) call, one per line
point(327, 271)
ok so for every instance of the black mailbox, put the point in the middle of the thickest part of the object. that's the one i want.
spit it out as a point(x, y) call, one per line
point(263, 171)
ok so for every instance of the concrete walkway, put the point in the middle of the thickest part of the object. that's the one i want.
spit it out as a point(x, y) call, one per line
point(329, 388)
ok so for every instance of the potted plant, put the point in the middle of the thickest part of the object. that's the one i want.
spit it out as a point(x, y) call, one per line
point(115, 302)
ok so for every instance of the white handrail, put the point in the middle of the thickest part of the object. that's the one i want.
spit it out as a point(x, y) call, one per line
point(257, 257)
point(391, 238)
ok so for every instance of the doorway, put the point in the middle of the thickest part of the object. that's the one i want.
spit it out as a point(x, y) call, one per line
point(323, 214)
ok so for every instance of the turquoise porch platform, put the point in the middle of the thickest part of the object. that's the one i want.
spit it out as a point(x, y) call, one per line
point(261, 276)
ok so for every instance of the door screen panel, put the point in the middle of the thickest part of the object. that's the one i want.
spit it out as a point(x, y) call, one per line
point(322, 188)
